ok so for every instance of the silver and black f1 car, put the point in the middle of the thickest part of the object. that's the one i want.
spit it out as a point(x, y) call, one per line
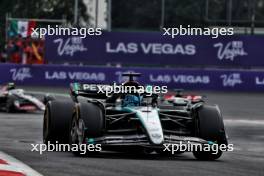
point(13, 99)
point(132, 121)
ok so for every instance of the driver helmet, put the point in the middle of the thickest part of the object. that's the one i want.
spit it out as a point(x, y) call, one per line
point(131, 100)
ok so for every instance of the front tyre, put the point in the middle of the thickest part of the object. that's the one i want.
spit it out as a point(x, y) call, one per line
point(207, 156)
point(210, 127)
point(56, 121)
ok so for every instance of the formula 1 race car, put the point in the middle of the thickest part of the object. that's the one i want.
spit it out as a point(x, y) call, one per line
point(132, 122)
point(13, 99)
point(179, 99)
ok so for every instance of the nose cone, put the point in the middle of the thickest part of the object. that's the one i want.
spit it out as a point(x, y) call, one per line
point(149, 118)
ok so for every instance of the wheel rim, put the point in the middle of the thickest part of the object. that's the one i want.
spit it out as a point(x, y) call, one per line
point(77, 131)
point(80, 131)
point(74, 132)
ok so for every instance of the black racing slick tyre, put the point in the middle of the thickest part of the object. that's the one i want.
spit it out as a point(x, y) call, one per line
point(10, 104)
point(56, 123)
point(93, 117)
point(210, 127)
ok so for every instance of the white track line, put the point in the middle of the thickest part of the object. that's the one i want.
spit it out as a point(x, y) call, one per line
point(16, 166)
point(244, 122)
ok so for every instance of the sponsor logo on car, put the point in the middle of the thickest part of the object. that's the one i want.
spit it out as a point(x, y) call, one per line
point(156, 135)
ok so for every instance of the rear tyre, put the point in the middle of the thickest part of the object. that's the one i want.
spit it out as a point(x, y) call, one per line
point(210, 126)
point(56, 121)
point(10, 104)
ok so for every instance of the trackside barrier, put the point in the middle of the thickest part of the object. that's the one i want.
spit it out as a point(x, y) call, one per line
point(153, 48)
point(189, 79)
